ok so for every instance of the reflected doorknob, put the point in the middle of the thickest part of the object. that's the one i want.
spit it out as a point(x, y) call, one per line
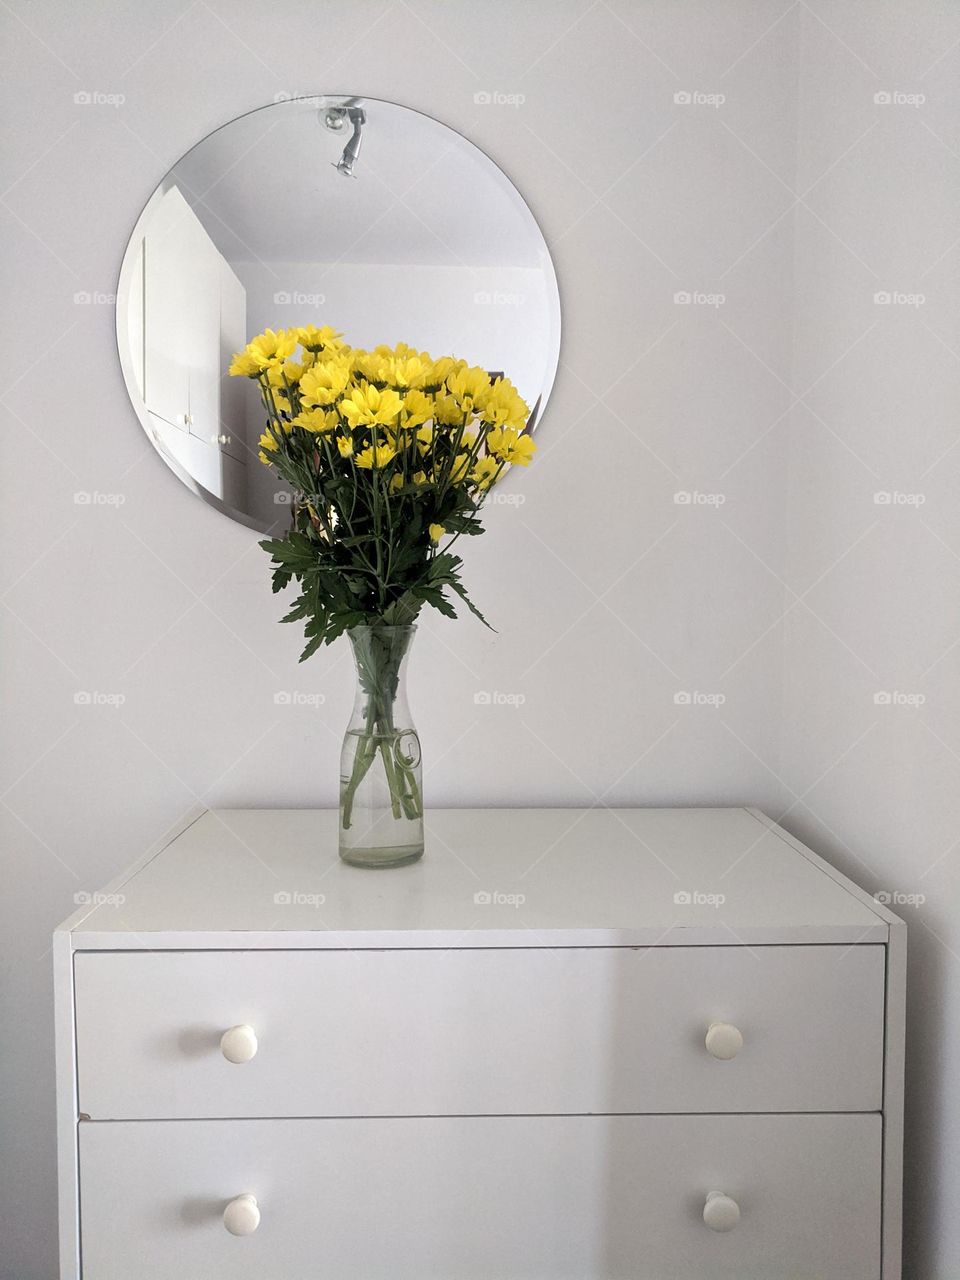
point(241, 1217)
point(723, 1040)
point(239, 1044)
point(721, 1213)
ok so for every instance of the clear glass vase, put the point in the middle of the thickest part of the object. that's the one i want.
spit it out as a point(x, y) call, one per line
point(381, 796)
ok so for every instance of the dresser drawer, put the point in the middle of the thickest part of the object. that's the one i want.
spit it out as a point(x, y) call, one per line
point(479, 1032)
point(469, 1198)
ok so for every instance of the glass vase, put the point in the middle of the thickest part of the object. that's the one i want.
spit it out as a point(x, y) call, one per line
point(381, 796)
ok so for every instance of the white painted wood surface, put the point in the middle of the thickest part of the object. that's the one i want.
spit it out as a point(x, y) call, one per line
point(532, 1198)
point(479, 1032)
point(520, 877)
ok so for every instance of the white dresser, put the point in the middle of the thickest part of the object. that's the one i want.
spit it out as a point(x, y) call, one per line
point(661, 1044)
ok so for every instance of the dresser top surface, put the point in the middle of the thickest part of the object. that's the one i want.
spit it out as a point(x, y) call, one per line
point(492, 877)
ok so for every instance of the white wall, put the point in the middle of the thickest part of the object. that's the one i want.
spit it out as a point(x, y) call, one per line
point(875, 787)
point(609, 596)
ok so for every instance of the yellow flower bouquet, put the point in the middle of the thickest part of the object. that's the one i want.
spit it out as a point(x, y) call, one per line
point(390, 454)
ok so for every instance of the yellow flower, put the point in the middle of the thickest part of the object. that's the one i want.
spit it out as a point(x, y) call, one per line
point(407, 370)
point(375, 457)
point(507, 444)
point(319, 421)
point(484, 472)
point(420, 478)
point(425, 438)
point(345, 445)
point(447, 412)
point(270, 348)
point(469, 387)
point(267, 445)
point(437, 531)
point(324, 382)
point(366, 406)
point(417, 408)
point(369, 365)
point(504, 407)
point(244, 366)
point(442, 369)
point(289, 372)
point(324, 339)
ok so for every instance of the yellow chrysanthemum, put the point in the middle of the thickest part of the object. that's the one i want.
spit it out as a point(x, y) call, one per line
point(437, 531)
point(324, 383)
point(447, 411)
point(507, 444)
point(368, 365)
point(345, 445)
point(375, 457)
point(484, 472)
point(407, 371)
point(503, 406)
point(270, 348)
point(244, 365)
point(319, 421)
point(365, 406)
point(417, 408)
point(323, 339)
point(425, 438)
point(288, 373)
point(443, 368)
point(267, 445)
point(469, 387)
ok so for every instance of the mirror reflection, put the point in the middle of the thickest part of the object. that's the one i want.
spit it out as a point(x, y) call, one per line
point(355, 213)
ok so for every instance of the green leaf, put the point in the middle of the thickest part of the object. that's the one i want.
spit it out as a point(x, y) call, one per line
point(463, 524)
point(461, 591)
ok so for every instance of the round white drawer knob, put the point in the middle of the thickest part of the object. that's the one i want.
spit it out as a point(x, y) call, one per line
point(723, 1040)
point(720, 1213)
point(239, 1044)
point(241, 1217)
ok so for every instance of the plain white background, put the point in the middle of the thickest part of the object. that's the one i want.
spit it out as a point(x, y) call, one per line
point(826, 620)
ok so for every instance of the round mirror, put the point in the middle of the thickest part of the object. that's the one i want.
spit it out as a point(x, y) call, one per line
point(350, 212)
